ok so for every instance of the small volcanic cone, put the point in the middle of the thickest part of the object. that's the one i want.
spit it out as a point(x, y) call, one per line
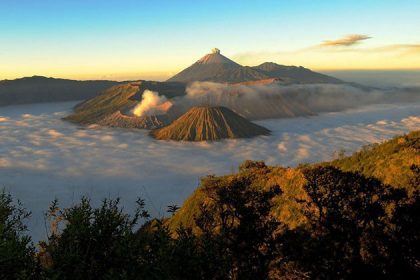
point(207, 123)
point(118, 119)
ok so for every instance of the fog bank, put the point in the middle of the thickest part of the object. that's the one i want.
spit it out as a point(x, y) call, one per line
point(43, 157)
point(275, 100)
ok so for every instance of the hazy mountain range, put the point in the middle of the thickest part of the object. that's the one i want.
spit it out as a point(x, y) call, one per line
point(212, 67)
point(39, 89)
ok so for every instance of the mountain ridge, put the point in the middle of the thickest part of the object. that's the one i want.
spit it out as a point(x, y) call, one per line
point(215, 67)
point(38, 89)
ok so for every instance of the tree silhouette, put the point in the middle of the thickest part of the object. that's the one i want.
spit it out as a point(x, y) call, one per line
point(405, 240)
point(239, 218)
point(173, 208)
point(357, 227)
point(349, 223)
point(17, 259)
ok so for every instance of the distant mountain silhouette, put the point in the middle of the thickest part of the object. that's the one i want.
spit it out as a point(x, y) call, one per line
point(217, 68)
point(294, 74)
point(212, 67)
point(206, 123)
point(38, 89)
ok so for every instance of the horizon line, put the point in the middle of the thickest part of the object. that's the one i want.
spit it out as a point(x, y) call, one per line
point(74, 76)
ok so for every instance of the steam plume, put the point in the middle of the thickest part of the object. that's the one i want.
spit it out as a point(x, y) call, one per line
point(152, 104)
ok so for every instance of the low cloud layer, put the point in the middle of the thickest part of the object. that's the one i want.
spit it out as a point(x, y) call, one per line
point(346, 41)
point(43, 157)
point(258, 102)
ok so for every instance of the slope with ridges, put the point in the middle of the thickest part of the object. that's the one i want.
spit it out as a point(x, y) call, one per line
point(244, 73)
point(115, 99)
point(209, 124)
point(108, 108)
point(206, 68)
point(118, 119)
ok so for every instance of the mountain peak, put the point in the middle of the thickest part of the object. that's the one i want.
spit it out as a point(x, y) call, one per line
point(215, 50)
point(215, 57)
point(216, 67)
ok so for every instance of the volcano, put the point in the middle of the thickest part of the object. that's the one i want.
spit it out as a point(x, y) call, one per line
point(113, 107)
point(206, 123)
point(216, 67)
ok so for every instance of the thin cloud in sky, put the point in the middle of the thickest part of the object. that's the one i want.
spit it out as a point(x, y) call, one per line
point(391, 49)
point(342, 53)
point(345, 41)
point(402, 48)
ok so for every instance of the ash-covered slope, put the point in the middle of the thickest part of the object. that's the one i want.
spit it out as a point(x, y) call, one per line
point(116, 98)
point(217, 68)
point(118, 119)
point(206, 68)
point(109, 108)
point(207, 123)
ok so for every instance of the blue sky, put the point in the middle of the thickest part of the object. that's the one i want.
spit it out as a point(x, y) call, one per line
point(158, 38)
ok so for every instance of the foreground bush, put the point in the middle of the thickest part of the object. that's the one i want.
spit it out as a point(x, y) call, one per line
point(356, 227)
point(16, 251)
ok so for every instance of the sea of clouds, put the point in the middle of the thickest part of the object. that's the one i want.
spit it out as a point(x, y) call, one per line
point(275, 100)
point(42, 157)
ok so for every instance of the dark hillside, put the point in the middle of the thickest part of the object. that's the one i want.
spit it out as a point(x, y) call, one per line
point(39, 89)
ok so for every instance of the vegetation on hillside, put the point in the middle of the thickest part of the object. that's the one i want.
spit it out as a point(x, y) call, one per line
point(312, 222)
point(395, 162)
point(17, 253)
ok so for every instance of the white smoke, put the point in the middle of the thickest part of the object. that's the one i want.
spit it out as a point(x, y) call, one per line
point(317, 97)
point(261, 101)
point(273, 100)
point(152, 104)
